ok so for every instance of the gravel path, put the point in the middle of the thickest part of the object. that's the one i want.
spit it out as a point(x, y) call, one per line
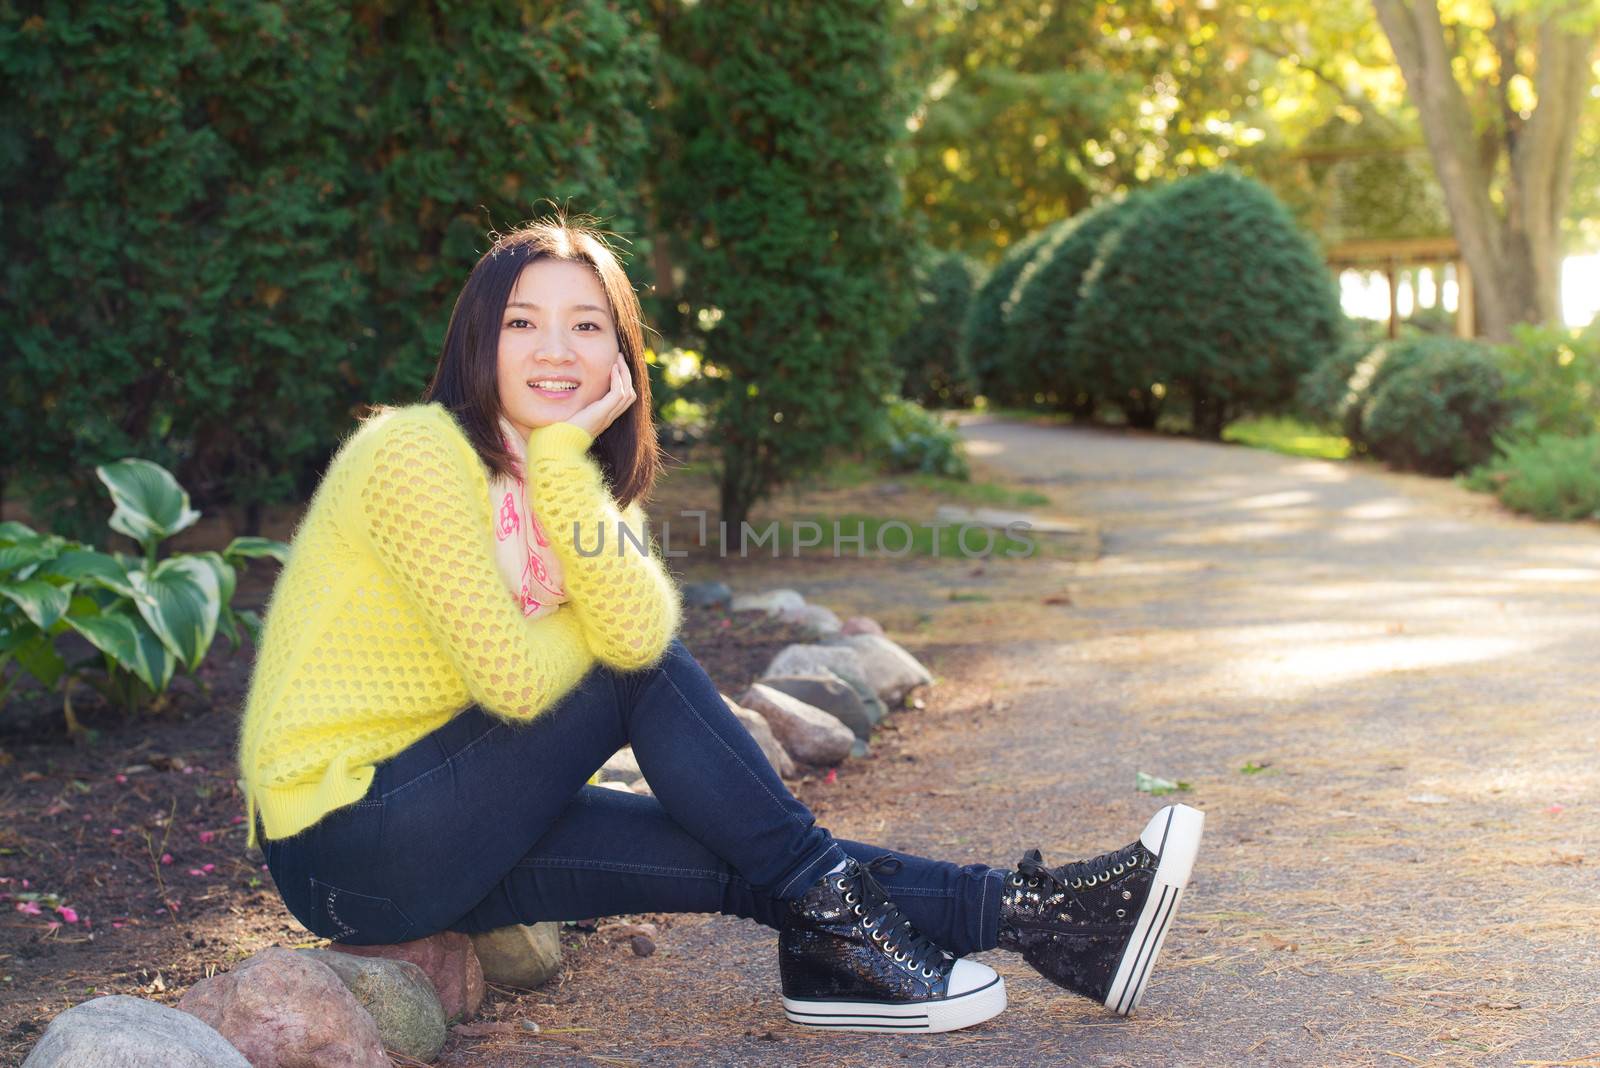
point(1380, 689)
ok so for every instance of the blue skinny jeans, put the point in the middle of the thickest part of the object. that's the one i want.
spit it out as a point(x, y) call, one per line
point(484, 823)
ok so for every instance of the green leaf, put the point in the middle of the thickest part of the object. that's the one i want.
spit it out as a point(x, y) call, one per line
point(1153, 784)
point(252, 624)
point(180, 600)
point(85, 566)
point(250, 548)
point(150, 505)
point(39, 658)
point(12, 532)
point(113, 633)
point(42, 602)
point(227, 577)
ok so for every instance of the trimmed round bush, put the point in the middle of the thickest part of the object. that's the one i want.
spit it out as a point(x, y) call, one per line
point(1440, 412)
point(983, 335)
point(1043, 304)
point(1212, 292)
point(929, 355)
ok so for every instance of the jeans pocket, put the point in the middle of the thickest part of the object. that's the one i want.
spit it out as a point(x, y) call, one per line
point(357, 919)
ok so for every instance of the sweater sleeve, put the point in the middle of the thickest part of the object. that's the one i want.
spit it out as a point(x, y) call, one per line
point(418, 511)
point(629, 605)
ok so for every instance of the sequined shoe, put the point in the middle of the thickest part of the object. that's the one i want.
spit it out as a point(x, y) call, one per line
point(851, 961)
point(1096, 926)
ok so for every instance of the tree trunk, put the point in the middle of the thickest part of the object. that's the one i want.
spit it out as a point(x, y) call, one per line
point(1514, 256)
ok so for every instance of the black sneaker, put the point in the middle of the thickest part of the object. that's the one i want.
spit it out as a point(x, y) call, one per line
point(851, 961)
point(1096, 926)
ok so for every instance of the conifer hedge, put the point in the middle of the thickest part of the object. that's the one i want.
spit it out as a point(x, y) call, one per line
point(227, 226)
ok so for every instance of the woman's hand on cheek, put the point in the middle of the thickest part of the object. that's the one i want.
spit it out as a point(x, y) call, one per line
point(602, 413)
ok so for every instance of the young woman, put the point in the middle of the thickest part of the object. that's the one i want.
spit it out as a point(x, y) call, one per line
point(447, 660)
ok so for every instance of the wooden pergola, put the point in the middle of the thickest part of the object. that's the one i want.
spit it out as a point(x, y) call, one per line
point(1390, 255)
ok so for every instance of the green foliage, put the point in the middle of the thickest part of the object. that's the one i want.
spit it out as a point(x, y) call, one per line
point(799, 263)
point(1324, 391)
point(1551, 476)
point(229, 225)
point(1043, 303)
point(929, 353)
point(1211, 291)
point(147, 617)
point(1439, 414)
point(1554, 376)
point(911, 438)
point(983, 335)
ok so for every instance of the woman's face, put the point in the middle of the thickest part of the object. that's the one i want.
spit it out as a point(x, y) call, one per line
point(557, 327)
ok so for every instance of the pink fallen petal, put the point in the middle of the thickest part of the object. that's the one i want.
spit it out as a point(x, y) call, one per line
point(206, 836)
point(209, 868)
point(116, 831)
point(196, 871)
point(166, 858)
point(67, 913)
point(24, 884)
point(52, 925)
point(122, 778)
point(1554, 810)
point(238, 819)
point(833, 776)
point(264, 867)
point(28, 908)
point(114, 923)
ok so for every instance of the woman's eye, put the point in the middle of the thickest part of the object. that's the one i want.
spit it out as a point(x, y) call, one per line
point(518, 322)
point(586, 323)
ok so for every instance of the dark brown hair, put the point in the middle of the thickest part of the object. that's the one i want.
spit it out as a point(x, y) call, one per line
point(466, 381)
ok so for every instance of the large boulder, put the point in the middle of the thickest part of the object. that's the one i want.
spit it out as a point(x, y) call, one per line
point(397, 995)
point(283, 1009)
point(842, 660)
point(759, 729)
point(810, 734)
point(861, 625)
point(833, 695)
point(119, 1031)
point(522, 955)
point(890, 670)
point(450, 963)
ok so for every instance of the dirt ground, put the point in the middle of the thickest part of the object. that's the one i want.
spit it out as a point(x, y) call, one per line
point(1379, 688)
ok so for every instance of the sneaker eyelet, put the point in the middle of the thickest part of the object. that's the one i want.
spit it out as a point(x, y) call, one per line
point(1117, 870)
point(1077, 884)
point(1127, 895)
point(1122, 914)
point(928, 973)
point(849, 897)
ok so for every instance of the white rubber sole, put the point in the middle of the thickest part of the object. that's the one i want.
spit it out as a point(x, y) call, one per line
point(1173, 835)
point(922, 1017)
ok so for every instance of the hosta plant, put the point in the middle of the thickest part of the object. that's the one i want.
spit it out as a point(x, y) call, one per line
point(147, 617)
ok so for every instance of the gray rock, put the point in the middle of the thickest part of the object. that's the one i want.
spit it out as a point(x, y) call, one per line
point(707, 594)
point(399, 997)
point(753, 722)
point(890, 670)
point(817, 620)
point(282, 1009)
point(769, 601)
point(830, 655)
point(860, 749)
point(119, 1031)
point(827, 691)
point(522, 955)
point(622, 767)
point(810, 734)
point(861, 625)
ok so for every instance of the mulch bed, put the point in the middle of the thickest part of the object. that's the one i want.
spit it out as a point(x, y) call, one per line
point(138, 839)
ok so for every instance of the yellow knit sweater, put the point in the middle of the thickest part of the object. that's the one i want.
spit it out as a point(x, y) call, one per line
point(390, 616)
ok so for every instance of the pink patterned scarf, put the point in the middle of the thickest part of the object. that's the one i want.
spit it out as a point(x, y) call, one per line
point(522, 549)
